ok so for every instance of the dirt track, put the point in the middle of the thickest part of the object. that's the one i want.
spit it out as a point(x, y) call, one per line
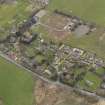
point(101, 102)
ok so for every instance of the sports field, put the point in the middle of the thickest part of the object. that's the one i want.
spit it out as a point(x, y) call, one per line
point(91, 10)
point(16, 85)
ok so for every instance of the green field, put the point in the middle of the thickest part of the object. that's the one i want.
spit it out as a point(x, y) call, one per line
point(93, 82)
point(91, 10)
point(16, 85)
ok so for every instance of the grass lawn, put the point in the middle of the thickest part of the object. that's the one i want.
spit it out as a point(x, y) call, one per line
point(94, 80)
point(100, 71)
point(78, 71)
point(16, 85)
point(91, 10)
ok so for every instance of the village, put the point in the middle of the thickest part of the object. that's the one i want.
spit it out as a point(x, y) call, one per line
point(57, 62)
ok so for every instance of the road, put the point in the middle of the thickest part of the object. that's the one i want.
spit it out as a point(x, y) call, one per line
point(27, 23)
point(49, 81)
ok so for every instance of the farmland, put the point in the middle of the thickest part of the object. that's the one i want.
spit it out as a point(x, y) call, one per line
point(16, 85)
point(91, 10)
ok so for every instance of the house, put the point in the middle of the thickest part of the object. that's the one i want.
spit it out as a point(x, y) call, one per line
point(103, 85)
point(44, 2)
point(78, 51)
point(12, 55)
point(99, 62)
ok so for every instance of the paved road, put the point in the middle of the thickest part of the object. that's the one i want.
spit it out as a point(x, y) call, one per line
point(49, 81)
point(12, 61)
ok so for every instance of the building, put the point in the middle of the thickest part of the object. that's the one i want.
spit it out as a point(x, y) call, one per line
point(44, 2)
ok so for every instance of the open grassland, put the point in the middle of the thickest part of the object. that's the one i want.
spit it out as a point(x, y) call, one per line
point(91, 10)
point(94, 82)
point(16, 85)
